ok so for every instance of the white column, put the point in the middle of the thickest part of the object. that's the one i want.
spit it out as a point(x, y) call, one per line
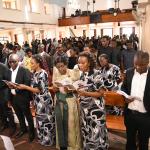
point(145, 45)
point(116, 29)
point(41, 34)
point(11, 36)
point(88, 30)
point(25, 34)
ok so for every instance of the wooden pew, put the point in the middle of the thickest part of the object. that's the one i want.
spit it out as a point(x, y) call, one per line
point(112, 121)
point(112, 99)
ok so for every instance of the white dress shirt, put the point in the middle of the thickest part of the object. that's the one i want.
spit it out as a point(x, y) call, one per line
point(13, 78)
point(137, 89)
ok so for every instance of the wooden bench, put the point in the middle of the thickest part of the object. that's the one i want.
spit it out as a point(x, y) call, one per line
point(113, 121)
point(112, 99)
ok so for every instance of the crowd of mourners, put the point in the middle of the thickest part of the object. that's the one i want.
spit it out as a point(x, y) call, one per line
point(70, 119)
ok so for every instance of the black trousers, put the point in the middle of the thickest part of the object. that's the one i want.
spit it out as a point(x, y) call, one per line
point(22, 109)
point(63, 148)
point(137, 129)
point(6, 115)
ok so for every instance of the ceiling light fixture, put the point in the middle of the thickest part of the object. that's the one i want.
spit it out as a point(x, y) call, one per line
point(116, 9)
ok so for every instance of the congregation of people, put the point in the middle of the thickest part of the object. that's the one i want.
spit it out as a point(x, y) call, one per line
point(74, 119)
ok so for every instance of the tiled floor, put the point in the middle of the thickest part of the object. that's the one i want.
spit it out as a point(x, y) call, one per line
point(117, 142)
point(23, 144)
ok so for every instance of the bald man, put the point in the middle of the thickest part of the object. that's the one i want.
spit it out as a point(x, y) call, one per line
point(21, 99)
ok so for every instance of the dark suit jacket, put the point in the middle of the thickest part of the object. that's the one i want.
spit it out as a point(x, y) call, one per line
point(105, 50)
point(4, 75)
point(126, 87)
point(23, 77)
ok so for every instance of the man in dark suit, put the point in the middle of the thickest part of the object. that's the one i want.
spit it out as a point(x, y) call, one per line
point(137, 113)
point(104, 48)
point(5, 111)
point(21, 98)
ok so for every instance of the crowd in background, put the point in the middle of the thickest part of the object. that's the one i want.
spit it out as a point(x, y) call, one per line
point(114, 47)
point(98, 62)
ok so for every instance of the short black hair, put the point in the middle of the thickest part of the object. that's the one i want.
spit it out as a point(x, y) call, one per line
point(104, 56)
point(106, 37)
point(76, 49)
point(142, 55)
point(61, 59)
point(89, 58)
point(28, 50)
point(38, 59)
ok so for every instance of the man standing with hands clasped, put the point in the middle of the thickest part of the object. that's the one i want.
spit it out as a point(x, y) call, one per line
point(137, 113)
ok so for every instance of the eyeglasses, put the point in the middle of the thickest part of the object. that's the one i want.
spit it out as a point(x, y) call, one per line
point(12, 62)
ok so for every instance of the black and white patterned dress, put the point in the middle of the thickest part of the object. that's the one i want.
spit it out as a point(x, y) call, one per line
point(45, 119)
point(93, 115)
point(110, 77)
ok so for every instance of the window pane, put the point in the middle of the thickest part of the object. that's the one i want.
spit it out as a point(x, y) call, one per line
point(4, 39)
point(91, 34)
point(47, 8)
point(108, 32)
point(11, 4)
point(34, 5)
point(127, 31)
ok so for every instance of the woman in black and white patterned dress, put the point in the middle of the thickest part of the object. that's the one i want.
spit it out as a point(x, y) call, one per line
point(111, 76)
point(92, 106)
point(45, 119)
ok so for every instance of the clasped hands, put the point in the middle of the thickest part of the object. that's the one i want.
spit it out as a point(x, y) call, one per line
point(63, 89)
